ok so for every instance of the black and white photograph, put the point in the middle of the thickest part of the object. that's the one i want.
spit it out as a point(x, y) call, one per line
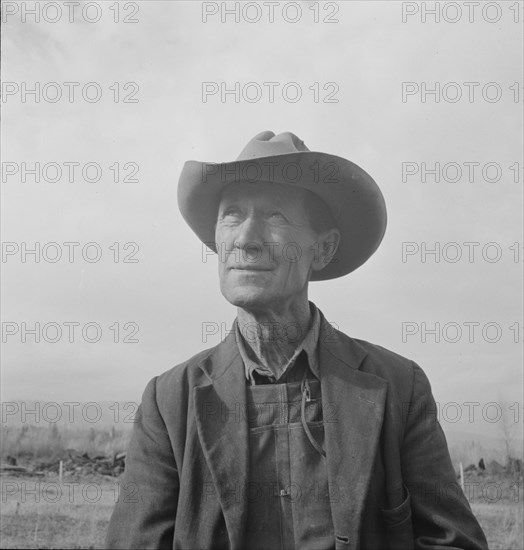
point(262, 275)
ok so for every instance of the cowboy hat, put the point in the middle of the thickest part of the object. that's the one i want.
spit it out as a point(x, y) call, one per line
point(352, 196)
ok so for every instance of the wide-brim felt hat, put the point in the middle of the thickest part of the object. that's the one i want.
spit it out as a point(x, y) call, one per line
point(352, 196)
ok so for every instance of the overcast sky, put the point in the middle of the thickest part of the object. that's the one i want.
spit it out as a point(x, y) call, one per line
point(171, 293)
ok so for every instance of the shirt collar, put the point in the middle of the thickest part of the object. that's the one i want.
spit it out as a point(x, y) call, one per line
point(309, 345)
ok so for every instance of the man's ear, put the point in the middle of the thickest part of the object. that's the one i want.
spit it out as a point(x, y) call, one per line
point(325, 248)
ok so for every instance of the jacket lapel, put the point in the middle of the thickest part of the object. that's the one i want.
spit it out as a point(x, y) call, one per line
point(220, 410)
point(355, 401)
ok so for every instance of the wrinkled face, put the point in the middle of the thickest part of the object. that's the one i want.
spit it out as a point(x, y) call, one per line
point(266, 246)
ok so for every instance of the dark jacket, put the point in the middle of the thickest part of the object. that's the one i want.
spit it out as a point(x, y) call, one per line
point(393, 484)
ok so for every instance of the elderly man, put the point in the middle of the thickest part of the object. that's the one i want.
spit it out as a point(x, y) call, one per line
point(288, 434)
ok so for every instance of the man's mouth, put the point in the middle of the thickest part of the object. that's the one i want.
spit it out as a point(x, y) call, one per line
point(249, 268)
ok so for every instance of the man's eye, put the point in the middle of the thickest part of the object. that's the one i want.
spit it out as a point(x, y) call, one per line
point(229, 212)
point(278, 217)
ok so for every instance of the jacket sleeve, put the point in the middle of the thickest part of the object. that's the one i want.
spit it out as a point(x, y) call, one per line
point(441, 514)
point(145, 512)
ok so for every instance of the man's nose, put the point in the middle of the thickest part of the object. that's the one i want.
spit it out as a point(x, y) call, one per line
point(250, 238)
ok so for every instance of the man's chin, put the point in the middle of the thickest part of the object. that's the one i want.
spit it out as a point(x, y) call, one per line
point(247, 297)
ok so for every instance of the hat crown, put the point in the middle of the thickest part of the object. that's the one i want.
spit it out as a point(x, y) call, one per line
point(267, 144)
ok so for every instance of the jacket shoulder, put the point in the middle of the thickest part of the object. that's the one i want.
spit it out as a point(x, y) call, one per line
point(178, 378)
point(406, 380)
point(398, 370)
point(384, 360)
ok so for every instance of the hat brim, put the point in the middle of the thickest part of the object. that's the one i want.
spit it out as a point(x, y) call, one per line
point(354, 199)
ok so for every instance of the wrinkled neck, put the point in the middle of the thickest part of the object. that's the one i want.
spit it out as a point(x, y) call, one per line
point(273, 335)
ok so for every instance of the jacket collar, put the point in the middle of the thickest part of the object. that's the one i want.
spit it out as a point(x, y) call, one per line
point(353, 407)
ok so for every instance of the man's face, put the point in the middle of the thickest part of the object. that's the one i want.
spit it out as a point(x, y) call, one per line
point(266, 247)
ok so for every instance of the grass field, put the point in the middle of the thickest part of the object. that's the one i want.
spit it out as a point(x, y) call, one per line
point(502, 524)
point(42, 513)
